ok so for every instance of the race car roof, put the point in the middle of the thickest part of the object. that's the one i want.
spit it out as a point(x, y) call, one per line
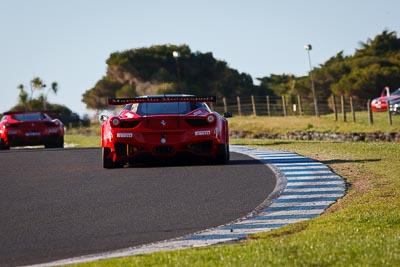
point(160, 98)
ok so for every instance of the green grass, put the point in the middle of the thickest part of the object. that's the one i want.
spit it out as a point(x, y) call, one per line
point(83, 137)
point(361, 229)
point(327, 123)
point(82, 140)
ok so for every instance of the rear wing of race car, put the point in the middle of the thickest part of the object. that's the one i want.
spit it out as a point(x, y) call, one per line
point(31, 111)
point(157, 99)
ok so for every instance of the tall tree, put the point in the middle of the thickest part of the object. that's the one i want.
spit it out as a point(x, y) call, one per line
point(53, 88)
point(155, 70)
point(36, 84)
point(23, 96)
point(382, 44)
point(31, 102)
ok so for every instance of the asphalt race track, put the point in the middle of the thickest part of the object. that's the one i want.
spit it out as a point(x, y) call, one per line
point(61, 203)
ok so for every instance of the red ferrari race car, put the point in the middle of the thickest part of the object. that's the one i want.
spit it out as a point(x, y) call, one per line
point(30, 128)
point(164, 126)
point(381, 103)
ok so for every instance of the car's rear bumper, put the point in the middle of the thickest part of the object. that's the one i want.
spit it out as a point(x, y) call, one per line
point(125, 144)
point(18, 140)
point(379, 106)
point(203, 148)
point(374, 109)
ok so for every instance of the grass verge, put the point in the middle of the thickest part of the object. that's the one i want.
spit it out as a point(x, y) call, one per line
point(82, 140)
point(325, 123)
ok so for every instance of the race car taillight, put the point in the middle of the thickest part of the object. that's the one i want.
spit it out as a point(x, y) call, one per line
point(210, 118)
point(115, 122)
point(11, 125)
point(52, 123)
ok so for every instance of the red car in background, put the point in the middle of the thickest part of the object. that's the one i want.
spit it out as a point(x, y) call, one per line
point(381, 103)
point(30, 128)
point(164, 126)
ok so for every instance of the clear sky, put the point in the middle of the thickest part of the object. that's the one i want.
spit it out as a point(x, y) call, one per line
point(68, 41)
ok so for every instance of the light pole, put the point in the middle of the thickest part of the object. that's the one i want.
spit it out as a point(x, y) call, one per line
point(177, 55)
point(308, 47)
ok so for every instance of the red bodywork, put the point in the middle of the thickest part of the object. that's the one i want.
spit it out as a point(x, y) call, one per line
point(182, 126)
point(29, 129)
point(380, 104)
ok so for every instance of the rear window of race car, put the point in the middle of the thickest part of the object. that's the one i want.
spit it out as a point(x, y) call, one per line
point(144, 109)
point(28, 117)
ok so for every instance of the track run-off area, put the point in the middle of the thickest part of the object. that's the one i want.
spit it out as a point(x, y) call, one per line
point(302, 189)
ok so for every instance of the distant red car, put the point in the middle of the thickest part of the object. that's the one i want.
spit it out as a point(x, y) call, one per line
point(30, 128)
point(381, 103)
point(164, 126)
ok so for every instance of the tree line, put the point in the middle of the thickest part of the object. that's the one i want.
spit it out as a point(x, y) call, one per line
point(155, 70)
point(165, 69)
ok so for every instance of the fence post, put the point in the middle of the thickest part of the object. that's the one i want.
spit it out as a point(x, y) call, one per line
point(239, 107)
point(225, 106)
point(389, 113)
point(254, 105)
point(300, 105)
point(334, 106)
point(268, 106)
point(352, 109)
point(343, 107)
point(284, 105)
point(370, 116)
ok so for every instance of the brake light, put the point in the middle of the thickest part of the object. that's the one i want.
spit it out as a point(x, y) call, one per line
point(115, 122)
point(11, 125)
point(52, 123)
point(210, 118)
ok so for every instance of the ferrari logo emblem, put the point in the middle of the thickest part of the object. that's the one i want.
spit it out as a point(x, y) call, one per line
point(163, 123)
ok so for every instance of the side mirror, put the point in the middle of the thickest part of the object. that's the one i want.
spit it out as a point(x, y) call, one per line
point(228, 115)
point(103, 118)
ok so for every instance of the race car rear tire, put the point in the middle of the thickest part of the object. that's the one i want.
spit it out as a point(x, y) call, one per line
point(108, 162)
point(3, 145)
point(57, 142)
point(60, 142)
point(222, 154)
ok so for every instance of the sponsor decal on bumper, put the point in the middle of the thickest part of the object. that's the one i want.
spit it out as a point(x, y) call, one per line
point(10, 132)
point(201, 133)
point(52, 130)
point(33, 134)
point(124, 135)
